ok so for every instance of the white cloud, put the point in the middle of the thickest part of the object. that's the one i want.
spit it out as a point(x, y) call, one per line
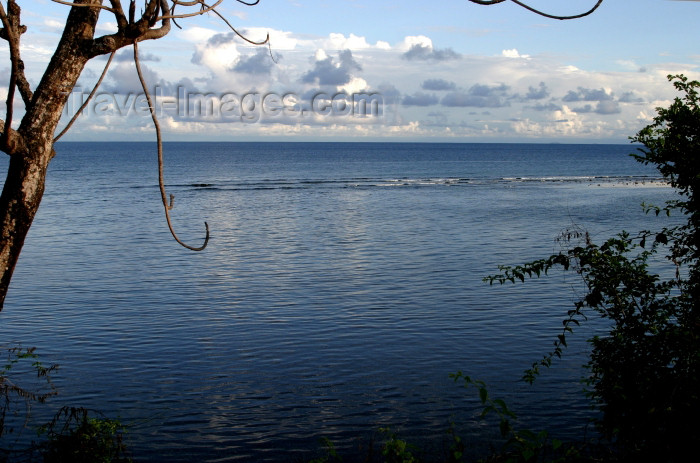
point(411, 41)
point(106, 27)
point(570, 69)
point(320, 54)
point(513, 53)
point(353, 42)
point(279, 40)
point(197, 34)
point(356, 85)
point(217, 56)
point(54, 24)
point(283, 40)
point(31, 51)
point(446, 94)
point(382, 45)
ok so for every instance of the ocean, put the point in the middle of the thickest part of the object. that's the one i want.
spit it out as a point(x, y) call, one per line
point(341, 287)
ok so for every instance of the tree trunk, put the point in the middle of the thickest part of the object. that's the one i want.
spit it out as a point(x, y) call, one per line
point(26, 176)
point(19, 202)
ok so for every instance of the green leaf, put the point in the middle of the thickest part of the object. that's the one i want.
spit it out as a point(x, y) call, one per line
point(483, 394)
point(504, 427)
point(562, 339)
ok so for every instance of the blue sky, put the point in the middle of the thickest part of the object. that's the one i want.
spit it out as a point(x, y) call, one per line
point(437, 71)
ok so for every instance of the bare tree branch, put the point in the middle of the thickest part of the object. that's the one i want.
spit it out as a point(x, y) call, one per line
point(576, 16)
point(10, 21)
point(263, 42)
point(12, 32)
point(20, 79)
point(23, 86)
point(129, 31)
point(85, 103)
point(536, 11)
point(17, 139)
point(205, 9)
point(119, 13)
point(63, 2)
point(161, 182)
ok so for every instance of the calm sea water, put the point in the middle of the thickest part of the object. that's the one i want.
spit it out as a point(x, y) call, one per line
point(342, 285)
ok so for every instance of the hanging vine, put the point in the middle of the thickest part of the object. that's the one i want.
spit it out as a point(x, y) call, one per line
point(156, 11)
point(539, 12)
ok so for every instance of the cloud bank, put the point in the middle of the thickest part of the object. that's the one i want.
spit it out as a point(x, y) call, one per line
point(315, 88)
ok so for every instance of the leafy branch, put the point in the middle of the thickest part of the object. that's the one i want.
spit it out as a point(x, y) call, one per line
point(16, 399)
point(521, 445)
point(645, 369)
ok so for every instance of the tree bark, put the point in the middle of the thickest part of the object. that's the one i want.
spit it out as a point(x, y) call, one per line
point(31, 149)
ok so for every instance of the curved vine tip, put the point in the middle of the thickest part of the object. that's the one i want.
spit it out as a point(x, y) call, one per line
point(204, 245)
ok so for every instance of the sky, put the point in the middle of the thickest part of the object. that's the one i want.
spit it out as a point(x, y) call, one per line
point(385, 70)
